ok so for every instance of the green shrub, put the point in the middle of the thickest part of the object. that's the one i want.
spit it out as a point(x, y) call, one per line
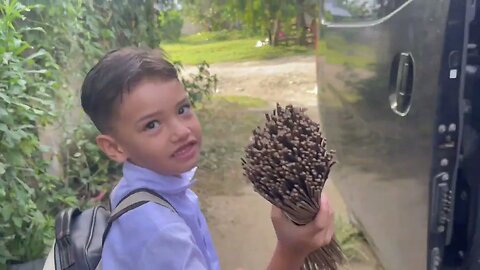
point(27, 94)
point(171, 23)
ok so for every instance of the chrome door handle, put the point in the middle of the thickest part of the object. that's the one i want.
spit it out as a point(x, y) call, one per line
point(401, 83)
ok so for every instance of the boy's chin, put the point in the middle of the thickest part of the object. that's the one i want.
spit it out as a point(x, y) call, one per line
point(179, 169)
point(186, 169)
point(171, 167)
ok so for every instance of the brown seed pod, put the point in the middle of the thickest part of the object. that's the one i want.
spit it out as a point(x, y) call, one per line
point(288, 164)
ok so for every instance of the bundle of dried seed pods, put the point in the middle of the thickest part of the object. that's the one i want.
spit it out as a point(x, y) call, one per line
point(288, 165)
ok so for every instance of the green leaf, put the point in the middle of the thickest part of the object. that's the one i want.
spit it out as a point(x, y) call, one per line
point(2, 168)
point(21, 49)
point(31, 29)
point(24, 106)
point(38, 112)
point(7, 57)
point(5, 98)
point(7, 212)
point(35, 6)
point(41, 52)
point(4, 253)
point(15, 158)
point(17, 221)
point(22, 82)
point(39, 71)
point(4, 128)
point(17, 42)
point(45, 102)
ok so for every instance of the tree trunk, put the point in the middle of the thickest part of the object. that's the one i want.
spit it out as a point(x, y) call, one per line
point(276, 24)
point(270, 37)
point(301, 23)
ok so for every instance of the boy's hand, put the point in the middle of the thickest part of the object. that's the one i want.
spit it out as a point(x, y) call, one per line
point(297, 242)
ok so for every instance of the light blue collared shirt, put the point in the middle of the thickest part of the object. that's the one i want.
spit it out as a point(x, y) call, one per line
point(153, 237)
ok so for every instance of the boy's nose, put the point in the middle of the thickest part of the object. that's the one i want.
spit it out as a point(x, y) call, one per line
point(180, 132)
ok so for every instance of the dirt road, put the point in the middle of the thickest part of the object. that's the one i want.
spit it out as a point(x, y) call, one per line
point(240, 223)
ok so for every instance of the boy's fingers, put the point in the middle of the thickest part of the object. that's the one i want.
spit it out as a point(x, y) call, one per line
point(324, 216)
point(330, 232)
point(276, 213)
point(324, 236)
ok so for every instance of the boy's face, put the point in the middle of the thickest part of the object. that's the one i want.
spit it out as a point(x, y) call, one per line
point(154, 127)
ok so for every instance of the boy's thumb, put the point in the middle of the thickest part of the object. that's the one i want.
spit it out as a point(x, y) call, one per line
point(276, 213)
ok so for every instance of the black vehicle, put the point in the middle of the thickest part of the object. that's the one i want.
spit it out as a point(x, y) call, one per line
point(399, 99)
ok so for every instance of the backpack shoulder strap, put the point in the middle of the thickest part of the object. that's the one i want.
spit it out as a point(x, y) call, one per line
point(137, 198)
point(133, 200)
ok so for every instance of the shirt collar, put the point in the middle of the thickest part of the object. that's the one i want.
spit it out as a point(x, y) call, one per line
point(139, 177)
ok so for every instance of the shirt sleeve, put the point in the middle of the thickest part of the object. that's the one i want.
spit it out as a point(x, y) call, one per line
point(151, 237)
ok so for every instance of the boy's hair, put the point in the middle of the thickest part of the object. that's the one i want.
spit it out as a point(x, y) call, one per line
point(119, 72)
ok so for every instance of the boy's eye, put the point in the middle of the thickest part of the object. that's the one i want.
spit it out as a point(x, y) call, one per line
point(152, 125)
point(184, 109)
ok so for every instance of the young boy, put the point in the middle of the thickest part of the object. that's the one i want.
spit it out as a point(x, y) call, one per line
point(135, 99)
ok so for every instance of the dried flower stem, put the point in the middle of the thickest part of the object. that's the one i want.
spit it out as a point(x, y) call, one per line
point(288, 165)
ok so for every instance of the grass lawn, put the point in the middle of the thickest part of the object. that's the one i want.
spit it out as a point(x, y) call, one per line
point(223, 46)
point(220, 47)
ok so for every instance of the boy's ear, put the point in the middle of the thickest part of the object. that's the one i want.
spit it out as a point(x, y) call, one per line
point(111, 148)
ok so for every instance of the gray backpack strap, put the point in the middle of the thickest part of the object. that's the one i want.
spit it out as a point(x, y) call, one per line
point(99, 265)
point(133, 200)
point(139, 197)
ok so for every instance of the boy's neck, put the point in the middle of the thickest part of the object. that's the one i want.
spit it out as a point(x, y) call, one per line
point(160, 174)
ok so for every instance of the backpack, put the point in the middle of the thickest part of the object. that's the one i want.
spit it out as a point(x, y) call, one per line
point(79, 236)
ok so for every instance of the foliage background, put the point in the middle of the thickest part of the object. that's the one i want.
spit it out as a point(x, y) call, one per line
point(255, 17)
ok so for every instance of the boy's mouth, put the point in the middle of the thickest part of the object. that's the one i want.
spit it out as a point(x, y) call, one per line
point(186, 151)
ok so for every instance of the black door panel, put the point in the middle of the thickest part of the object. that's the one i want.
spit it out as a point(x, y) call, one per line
point(380, 118)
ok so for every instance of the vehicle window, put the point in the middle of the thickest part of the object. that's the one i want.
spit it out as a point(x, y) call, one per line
point(350, 11)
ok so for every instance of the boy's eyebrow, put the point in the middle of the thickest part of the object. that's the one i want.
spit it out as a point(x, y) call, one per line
point(184, 100)
point(157, 112)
